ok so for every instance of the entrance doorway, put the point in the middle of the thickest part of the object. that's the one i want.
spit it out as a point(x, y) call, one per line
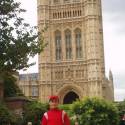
point(70, 97)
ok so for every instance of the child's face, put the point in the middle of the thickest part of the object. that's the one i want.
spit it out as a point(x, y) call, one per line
point(53, 104)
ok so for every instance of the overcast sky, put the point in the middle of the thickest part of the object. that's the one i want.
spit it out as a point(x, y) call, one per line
point(114, 39)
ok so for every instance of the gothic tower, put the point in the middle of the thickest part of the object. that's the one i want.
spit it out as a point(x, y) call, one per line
point(72, 64)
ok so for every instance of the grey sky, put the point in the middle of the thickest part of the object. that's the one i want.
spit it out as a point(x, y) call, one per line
point(113, 6)
point(114, 39)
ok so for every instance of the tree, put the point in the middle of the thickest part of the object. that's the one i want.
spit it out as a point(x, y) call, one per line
point(18, 40)
point(10, 88)
point(33, 112)
point(95, 111)
point(6, 116)
point(121, 108)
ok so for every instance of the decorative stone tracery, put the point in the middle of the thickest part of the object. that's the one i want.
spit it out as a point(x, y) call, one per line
point(68, 88)
point(74, 58)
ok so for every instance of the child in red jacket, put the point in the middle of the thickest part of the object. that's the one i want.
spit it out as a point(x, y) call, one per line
point(55, 116)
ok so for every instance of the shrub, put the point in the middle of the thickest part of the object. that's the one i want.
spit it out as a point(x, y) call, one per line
point(96, 111)
point(68, 109)
point(33, 112)
point(6, 116)
point(121, 108)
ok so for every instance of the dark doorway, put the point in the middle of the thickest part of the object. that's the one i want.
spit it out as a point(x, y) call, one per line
point(70, 98)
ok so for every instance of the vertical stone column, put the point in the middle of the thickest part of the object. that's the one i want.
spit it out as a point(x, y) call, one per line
point(43, 22)
point(94, 51)
point(63, 44)
point(53, 45)
point(45, 58)
point(101, 40)
point(83, 39)
point(73, 45)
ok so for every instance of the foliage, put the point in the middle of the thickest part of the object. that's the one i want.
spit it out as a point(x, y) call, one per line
point(66, 107)
point(33, 112)
point(6, 116)
point(95, 111)
point(10, 87)
point(69, 111)
point(121, 108)
point(18, 40)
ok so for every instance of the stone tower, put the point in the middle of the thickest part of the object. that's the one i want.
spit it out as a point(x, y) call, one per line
point(72, 64)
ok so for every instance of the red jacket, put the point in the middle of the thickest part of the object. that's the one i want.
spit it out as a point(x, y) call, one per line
point(54, 117)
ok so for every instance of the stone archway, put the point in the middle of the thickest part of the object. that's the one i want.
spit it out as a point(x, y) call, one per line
point(70, 97)
point(69, 90)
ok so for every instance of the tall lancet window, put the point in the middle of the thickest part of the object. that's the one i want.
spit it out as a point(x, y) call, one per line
point(68, 44)
point(78, 44)
point(58, 45)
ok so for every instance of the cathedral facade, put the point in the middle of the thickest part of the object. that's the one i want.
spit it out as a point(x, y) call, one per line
point(72, 64)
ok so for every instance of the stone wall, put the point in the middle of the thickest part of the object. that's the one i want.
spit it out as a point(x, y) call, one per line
point(16, 104)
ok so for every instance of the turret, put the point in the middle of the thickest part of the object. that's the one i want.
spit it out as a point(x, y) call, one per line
point(44, 57)
point(94, 42)
point(110, 76)
point(111, 85)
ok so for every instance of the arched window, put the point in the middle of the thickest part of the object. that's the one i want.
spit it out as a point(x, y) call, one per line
point(35, 91)
point(68, 44)
point(58, 45)
point(63, 14)
point(80, 12)
point(78, 43)
point(70, 13)
point(73, 13)
point(60, 15)
point(55, 15)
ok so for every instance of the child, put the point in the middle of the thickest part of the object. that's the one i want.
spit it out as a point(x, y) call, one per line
point(55, 116)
